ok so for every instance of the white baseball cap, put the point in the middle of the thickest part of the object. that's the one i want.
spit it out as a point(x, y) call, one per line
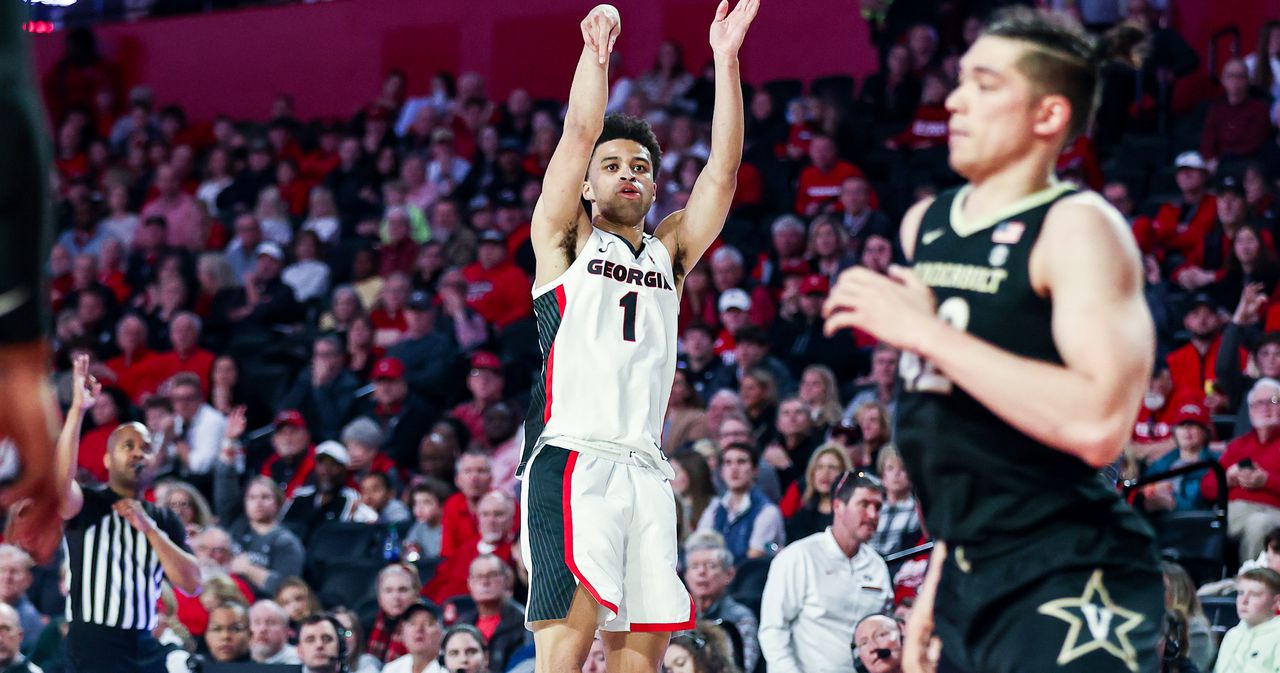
point(335, 451)
point(1191, 159)
point(271, 250)
point(735, 298)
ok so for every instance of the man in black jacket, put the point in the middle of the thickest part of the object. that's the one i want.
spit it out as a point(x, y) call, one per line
point(325, 392)
point(427, 352)
point(403, 416)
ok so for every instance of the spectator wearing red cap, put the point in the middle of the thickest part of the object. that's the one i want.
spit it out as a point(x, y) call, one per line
point(294, 457)
point(1192, 431)
point(485, 383)
point(327, 498)
point(820, 182)
point(426, 350)
point(496, 288)
point(403, 417)
point(324, 392)
point(799, 340)
point(1253, 472)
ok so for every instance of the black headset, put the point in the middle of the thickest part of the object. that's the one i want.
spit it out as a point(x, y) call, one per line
point(340, 631)
point(461, 628)
point(882, 652)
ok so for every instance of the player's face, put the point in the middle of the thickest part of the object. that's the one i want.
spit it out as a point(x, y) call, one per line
point(620, 181)
point(1255, 602)
point(992, 109)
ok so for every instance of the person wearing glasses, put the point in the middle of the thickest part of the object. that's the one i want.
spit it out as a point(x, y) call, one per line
point(499, 618)
point(1253, 472)
point(820, 587)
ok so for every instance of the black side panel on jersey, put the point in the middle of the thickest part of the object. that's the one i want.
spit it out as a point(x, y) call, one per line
point(979, 479)
point(547, 311)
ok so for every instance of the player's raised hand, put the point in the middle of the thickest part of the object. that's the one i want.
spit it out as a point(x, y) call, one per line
point(600, 30)
point(729, 28)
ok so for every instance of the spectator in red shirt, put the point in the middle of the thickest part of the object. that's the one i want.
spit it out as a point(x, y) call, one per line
point(496, 288)
point(1153, 430)
point(187, 355)
point(474, 477)
point(1238, 125)
point(1192, 366)
point(1253, 473)
point(184, 220)
point(131, 371)
point(820, 182)
point(485, 383)
point(495, 534)
point(1180, 227)
point(928, 127)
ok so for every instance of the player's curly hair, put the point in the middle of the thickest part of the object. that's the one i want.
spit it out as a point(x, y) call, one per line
point(621, 126)
point(1062, 59)
point(710, 648)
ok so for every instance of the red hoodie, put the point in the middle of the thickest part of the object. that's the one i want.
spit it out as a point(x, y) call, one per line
point(500, 295)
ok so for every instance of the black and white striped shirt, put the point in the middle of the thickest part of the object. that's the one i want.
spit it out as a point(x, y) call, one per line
point(115, 574)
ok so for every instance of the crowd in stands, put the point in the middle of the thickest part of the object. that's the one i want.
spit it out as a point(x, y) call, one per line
point(326, 325)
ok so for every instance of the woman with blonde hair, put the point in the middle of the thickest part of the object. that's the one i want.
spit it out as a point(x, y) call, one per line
point(873, 420)
point(899, 525)
point(705, 649)
point(818, 390)
point(806, 505)
point(185, 501)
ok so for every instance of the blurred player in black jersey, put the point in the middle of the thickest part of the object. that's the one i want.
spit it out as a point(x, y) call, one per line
point(1026, 348)
point(28, 413)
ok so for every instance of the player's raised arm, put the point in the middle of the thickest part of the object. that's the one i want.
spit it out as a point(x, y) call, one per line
point(688, 233)
point(85, 391)
point(1089, 266)
point(559, 209)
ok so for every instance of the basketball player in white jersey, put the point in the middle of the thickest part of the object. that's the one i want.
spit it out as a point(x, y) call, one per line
point(599, 514)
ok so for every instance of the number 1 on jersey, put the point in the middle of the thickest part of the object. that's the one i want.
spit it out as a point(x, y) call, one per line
point(628, 304)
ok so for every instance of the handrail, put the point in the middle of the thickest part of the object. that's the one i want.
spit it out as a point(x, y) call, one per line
point(907, 553)
point(1220, 503)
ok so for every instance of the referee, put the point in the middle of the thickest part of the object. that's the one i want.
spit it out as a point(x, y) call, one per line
point(118, 549)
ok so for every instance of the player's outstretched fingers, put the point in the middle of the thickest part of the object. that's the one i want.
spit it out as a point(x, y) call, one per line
point(722, 10)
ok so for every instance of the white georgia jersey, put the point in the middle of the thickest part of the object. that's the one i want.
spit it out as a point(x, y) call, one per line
point(607, 331)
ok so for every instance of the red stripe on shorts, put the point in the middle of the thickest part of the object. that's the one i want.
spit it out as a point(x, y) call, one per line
point(674, 626)
point(568, 534)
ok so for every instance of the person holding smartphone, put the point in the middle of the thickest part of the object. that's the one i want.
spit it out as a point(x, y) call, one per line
point(1252, 462)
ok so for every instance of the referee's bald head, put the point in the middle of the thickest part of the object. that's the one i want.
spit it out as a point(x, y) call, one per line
point(124, 429)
